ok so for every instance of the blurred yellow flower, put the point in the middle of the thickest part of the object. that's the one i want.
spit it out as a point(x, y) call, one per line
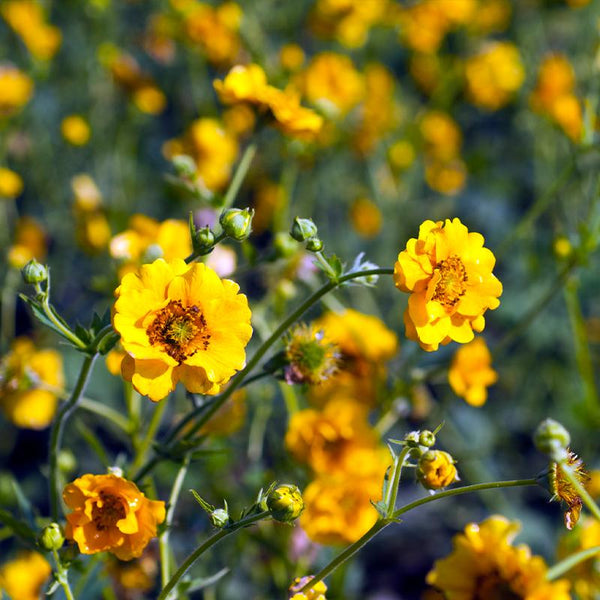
point(114, 360)
point(423, 26)
point(75, 130)
point(436, 470)
point(243, 83)
point(229, 418)
point(30, 382)
point(401, 154)
point(29, 242)
point(494, 75)
point(239, 120)
point(491, 16)
point(24, 577)
point(448, 274)
point(484, 564)
point(291, 57)
point(441, 135)
point(446, 177)
point(91, 225)
point(149, 99)
point(365, 217)
point(183, 323)
point(138, 575)
point(471, 372)
point(110, 514)
point(16, 88)
point(317, 592)
point(11, 184)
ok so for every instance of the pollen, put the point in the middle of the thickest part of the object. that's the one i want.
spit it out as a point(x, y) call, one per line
point(108, 511)
point(450, 281)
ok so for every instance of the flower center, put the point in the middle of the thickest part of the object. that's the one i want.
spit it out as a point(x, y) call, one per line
point(450, 281)
point(493, 587)
point(108, 511)
point(179, 330)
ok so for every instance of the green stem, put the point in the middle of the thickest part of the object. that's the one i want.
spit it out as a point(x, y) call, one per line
point(579, 488)
point(107, 412)
point(7, 319)
point(62, 577)
point(390, 500)
point(569, 562)
point(209, 543)
point(57, 431)
point(163, 540)
point(144, 446)
point(239, 176)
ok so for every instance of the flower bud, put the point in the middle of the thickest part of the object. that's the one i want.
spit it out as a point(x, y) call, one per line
point(552, 439)
point(436, 470)
point(184, 165)
point(303, 229)
point(314, 244)
point(285, 503)
point(51, 538)
point(203, 240)
point(237, 223)
point(33, 272)
point(219, 518)
point(427, 438)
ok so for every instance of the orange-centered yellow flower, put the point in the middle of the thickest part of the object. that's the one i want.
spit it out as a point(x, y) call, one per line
point(183, 323)
point(110, 514)
point(448, 274)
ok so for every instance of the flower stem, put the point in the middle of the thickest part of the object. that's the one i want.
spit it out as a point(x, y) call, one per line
point(209, 543)
point(107, 412)
point(392, 494)
point(569, 562)
point(580, 489)
point(239, 176)
point(58, 427)
point(136, 472)
point(61, 576)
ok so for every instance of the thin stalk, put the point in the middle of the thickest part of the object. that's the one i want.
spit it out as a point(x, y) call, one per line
point(148, 439)
point(568, 563)
point(209, 543)
point(57, 431)
point(390, 500)
point(61, 576)
point(580, 489)
point(239, 176)
point(106, 411)
point(163, 540)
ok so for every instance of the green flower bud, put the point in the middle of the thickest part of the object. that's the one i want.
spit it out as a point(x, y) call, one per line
point(237, 223)
point(314, 244)
point(33, 272)
point(184, 165)
point(203, 240)
point(427, 438)
point(285, 503)
point(552, 439)
point(51, 538)
point(303, 229)
point(220, 518)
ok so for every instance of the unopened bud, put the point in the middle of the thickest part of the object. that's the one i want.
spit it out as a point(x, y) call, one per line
point(436, 470)
point(314, 244)
point(184, 165)
point(34, 272)
point(220, 518)
point(51, 538)
point(303, 229)
point(203, 240)
point(427, 438)
point(285, 503)
point(552, 439)
point(237, 223)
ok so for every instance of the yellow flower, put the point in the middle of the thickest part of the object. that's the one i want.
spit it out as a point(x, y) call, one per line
point(110, 514)
point(24, 577)
point(30, 382)
point(291, 57)
point(494, 75)
point(471, 372)
point(290, 117)
point(243, 83)
point(317, 592)
point(436, 470)
point(139, 574)
point(492, 16)
point(564, 491)
point(75, 130)
point(114, 360)
point(423, 26)
point(441, 135)
point(29, 242)
point(149, 99)
point(401, 154)
point(11, 184)
point(448, 274)
point(446, 177)
point(87, 194)
point(16, 89)
point(365, 217)
point(484, 564)
point(180, 322)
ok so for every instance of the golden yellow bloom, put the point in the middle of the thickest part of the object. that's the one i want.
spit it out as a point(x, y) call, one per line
point(441, 135)
point(110, 514)
point(436, 470)
point(290, 117)
point(16, 89)
point(30, 382)
point(471, 372)
point(365, 217)
point(424, 26)
point(448, 274)
point(149, 99)
point(86, 192)
point(243, 83)
point(75, 130)
point(114, 359)
point(331, 82)
point(291, 57)
point(401, 154)
point(492, 16)
point(484, 564)
point(11, 184)
point(446, 177)
point(183, 323)
point(564, 491)
point(494, 75)
point(317, 592)
point(239, 120)
point(24, 577)
point(91, 225)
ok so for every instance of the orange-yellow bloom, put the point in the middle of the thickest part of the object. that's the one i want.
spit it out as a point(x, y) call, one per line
point(11, 184)
point(16, 89)
point(448, 274)
point(183, 323)
point(24, 577)
point(110, 514)
point(471, 372)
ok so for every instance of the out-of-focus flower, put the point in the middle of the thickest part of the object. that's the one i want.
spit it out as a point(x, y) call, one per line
point(491, 16)
point(332, 82)
point(16, 88)
point(441, 135)
point(110, 514)
point(446, 177)
point(401, 154)
point(448, 274)
point(23, 577)
point(471, 372)
point(91, 226)
point(317, 592)
point(494, 75)
point(75, 130)
point(29, 242)
point(158, 39)
point(436, 470)
point(564, 491)
point(553, 95)
point(114, 359)
point(577, 3)
point(423, 26)
point(222, 260)
point(137, 575)
point(229, 418)
point(365, 217)
point(11, 184)
point(484, 564)
point(291, 57)
point(239, 120)
point(183, 323)
point(28, 20)
point(30, 382)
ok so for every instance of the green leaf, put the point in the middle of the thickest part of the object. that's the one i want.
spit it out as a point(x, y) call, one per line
point(20, 528)
point(209, 508)
point(108, 342)
point(203, 582)
point(336, 264)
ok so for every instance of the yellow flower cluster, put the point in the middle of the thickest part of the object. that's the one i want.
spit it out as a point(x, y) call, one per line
point(24, 577)
point(554, 95)
point(30, 382)
point(484, 564)
point(448, 274)
point(27, 19)
point(16, 89)
point(91, 226)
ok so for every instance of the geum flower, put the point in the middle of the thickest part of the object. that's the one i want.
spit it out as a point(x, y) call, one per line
point(183, 323)
point(448, 273)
